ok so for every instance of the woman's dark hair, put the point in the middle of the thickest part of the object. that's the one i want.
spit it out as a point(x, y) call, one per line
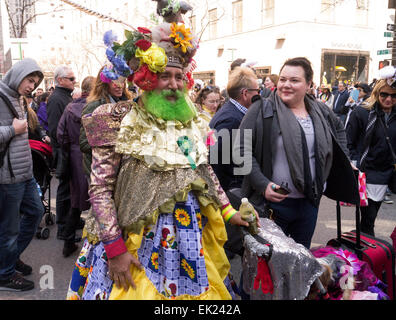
point(303, 63)
point(43, 97)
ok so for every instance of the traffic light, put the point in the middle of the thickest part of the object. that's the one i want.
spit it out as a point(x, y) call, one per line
point(383, 63)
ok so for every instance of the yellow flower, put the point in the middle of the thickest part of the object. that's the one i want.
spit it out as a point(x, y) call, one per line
point(83, 272)
point(188, 269)
point(155, 57)
point(182, 36)
point(154, 260)
point(199, 220)
point(183, 217)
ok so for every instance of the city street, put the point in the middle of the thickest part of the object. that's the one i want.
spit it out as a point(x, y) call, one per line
point(52, 272)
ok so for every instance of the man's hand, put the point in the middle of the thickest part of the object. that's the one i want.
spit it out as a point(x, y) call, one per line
point(237, 220)
point(119, 270)
point(20, 126)
point(271, 195)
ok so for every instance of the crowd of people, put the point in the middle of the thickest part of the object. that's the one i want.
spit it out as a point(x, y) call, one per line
point(160, 223)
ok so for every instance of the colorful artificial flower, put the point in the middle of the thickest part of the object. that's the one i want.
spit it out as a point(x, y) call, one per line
point(190, 80)
point(181, 35)
point(351, 259)
point(109, 38)
point(144, 30)
point(143, 44)
point(108, 74)
point(183, 217)
point(155, 57)
point(145, 79)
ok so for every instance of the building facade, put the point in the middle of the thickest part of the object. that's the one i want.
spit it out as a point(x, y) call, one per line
point(340, 37)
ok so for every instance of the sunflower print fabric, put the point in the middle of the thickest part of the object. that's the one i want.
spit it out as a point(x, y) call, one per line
point(90, 280)
point(172, 253)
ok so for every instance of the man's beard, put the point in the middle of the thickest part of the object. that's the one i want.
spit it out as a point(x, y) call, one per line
point(182, 109)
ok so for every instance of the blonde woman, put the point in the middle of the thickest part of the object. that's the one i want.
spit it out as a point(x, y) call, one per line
point(367, 128)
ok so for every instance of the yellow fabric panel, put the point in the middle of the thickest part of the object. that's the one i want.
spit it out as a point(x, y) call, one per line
point(214, 236)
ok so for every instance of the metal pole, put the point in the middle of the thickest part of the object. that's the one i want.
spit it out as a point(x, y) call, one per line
point(394, 43)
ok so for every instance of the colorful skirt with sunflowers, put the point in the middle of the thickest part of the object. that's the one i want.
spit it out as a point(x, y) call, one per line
point(182, 255)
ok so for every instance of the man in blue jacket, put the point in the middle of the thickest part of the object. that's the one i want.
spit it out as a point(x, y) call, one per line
point(340, 99)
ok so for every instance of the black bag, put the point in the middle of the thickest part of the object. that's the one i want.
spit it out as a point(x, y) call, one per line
point(62, 170)
point(392, 180)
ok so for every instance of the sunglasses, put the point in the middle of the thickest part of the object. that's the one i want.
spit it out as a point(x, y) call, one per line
point(256, 90)
point(71, 78)
point(211, 88)
point(385, 95)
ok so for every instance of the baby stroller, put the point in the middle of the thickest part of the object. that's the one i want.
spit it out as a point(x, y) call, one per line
point(42, 172)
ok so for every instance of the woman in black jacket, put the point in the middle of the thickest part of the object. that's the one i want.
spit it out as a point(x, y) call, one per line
point(295, 140)
point(366, 131)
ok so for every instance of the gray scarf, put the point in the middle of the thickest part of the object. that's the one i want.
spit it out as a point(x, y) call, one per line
point(295, 145)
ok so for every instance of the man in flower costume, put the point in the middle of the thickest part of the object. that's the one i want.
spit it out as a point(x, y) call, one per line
point(156, 226)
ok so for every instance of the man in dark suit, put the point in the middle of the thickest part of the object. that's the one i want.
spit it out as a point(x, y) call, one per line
point(57, 102)
point(242, 87)
point(340, 98)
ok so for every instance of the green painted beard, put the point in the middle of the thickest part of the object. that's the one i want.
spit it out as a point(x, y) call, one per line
point(182, 109)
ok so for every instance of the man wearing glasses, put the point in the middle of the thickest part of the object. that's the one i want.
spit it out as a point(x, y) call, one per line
point(57, 102)
point(241, 88)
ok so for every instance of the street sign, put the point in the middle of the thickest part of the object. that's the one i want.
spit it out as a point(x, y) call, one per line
point(391, 44)
point(388, 34)
point(390, 27)
point(387, 51)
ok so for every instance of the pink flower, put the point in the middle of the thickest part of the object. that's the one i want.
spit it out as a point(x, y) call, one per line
point(104, 79)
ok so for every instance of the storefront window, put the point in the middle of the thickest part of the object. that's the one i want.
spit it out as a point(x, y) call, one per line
point(346, 67)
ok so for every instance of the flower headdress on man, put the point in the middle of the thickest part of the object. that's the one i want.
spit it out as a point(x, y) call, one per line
point(145, 52)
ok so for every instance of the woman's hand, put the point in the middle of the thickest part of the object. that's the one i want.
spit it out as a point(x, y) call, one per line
point(271, 195)
point(119, 270)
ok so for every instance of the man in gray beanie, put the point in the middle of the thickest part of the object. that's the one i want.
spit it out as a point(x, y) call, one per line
point(21, 208)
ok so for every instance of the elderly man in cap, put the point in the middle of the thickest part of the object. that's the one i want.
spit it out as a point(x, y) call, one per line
point(156, 226)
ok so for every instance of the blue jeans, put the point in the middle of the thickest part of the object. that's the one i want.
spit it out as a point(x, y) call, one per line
point(297, 218)
point(21, 211)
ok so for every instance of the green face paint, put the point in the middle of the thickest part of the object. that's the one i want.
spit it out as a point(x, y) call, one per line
point(181, 109)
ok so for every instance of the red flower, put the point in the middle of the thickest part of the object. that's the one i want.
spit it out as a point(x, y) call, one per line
point(130, 78)
point(143, 44)
point(144, 30)
point(145, 79)
point(190, 80)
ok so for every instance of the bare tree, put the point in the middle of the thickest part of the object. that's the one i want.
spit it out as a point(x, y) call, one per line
point(23, 12)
